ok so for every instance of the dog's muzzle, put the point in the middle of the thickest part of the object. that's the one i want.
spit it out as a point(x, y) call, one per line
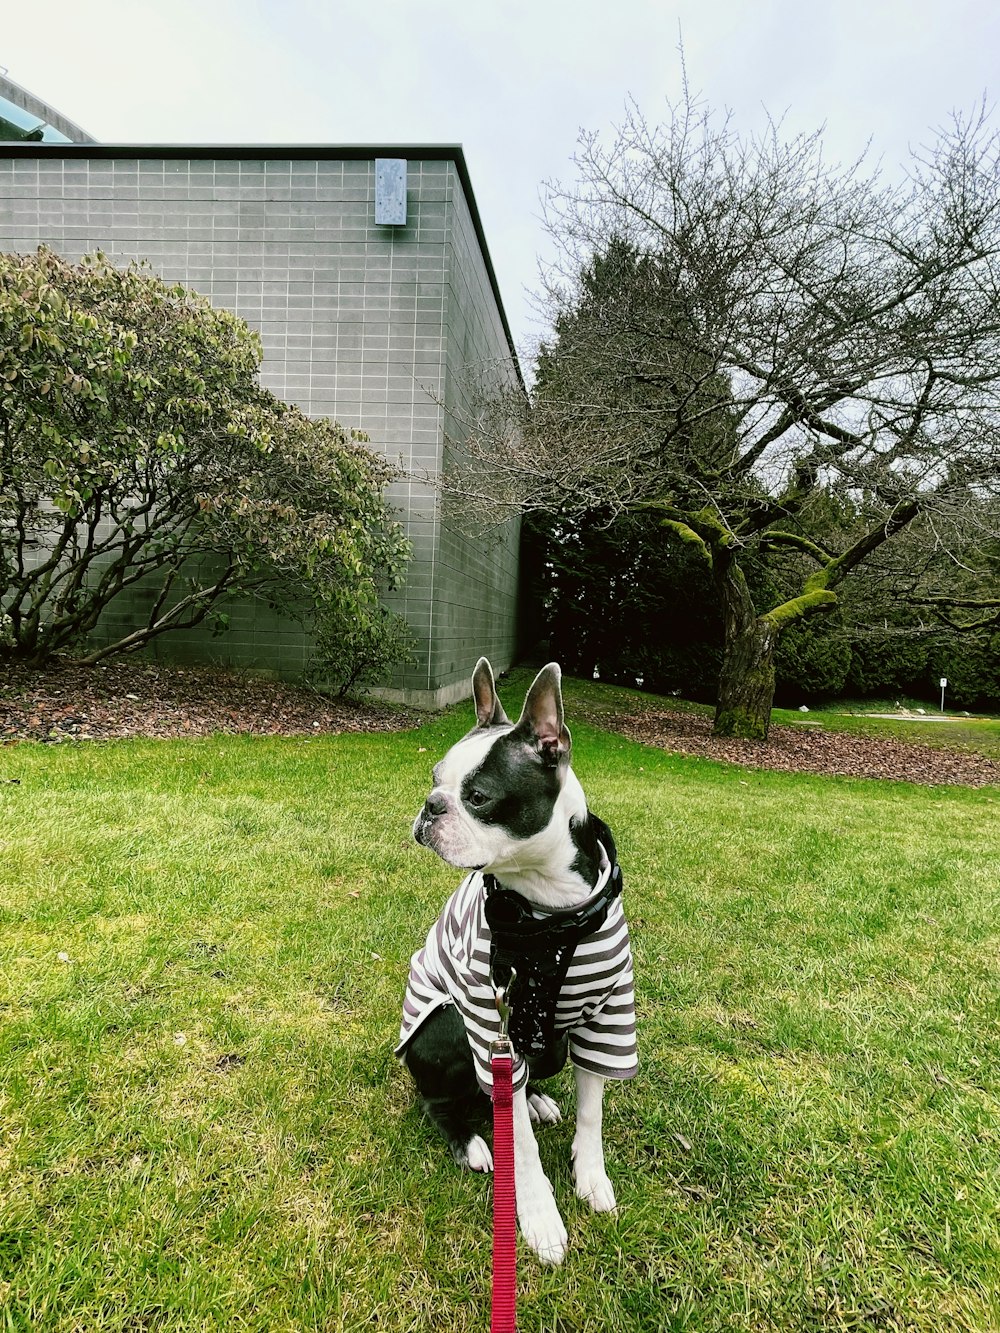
point(434, 807)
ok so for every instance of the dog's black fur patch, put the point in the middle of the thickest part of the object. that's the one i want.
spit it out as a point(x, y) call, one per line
point(439, 1059)
point(440, 1062)
point(519, 796)
point(587, 860)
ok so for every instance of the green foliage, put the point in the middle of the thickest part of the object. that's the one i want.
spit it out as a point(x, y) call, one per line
point(616, 594)
point(353, 650)
point(886, 664)
point(137, 443)
point(627, 401)
point(971, 665)
point(624, 596)
point(810, 662)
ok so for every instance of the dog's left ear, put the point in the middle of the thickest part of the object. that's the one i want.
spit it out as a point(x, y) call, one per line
point(542, 716)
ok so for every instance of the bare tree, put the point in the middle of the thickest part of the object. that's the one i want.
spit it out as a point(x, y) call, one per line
point(738, 324)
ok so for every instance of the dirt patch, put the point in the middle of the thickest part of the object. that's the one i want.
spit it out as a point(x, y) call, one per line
point(130, 698)
point(808, 749)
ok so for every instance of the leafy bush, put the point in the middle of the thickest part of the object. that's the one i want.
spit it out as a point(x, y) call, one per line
point(139, 445)
point(618, 595)
point(353, 650)
point(887, 665)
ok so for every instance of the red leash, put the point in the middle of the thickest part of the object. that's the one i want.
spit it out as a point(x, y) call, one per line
point(503, 1315)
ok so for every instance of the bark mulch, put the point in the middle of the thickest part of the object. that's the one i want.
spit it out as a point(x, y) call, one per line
point(128, 698)
point(123, 698)
point(810, 749)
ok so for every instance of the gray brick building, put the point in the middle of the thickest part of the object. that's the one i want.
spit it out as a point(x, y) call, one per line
point(374, 322)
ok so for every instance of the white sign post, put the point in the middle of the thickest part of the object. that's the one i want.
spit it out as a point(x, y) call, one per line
point(944, 682)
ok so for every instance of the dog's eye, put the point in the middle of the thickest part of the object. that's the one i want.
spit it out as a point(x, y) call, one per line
point(477, 797)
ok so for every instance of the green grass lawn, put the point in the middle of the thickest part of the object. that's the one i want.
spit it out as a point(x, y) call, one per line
point(203, 947)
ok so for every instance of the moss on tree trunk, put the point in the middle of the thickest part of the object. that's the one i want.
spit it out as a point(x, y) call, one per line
point(746, 683)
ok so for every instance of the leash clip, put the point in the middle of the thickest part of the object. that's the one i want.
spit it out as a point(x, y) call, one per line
point(501, 998)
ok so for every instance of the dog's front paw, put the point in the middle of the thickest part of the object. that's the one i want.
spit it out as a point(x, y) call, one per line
point(542, 1227)
point(594, 1187)
point(475, 1155)
point(542, 1110)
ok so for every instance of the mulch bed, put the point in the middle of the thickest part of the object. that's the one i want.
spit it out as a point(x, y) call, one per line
point(810, 749)
point(123, 698)
point(129, 698)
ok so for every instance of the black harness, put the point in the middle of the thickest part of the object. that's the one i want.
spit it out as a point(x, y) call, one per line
point(540, 949)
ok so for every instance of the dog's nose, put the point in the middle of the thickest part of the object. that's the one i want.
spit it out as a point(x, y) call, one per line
point(435, 804)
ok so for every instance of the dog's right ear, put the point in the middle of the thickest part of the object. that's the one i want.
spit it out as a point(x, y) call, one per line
point(489, 709)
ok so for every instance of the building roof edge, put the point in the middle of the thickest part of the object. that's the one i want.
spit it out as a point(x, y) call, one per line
point(290, 152)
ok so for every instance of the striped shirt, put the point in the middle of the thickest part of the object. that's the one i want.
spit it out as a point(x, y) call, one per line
point(596, 1005)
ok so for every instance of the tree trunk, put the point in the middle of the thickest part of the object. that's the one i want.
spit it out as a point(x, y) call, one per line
point(746, 682)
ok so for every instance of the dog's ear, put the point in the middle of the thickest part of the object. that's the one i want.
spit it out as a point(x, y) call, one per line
point(489, 709)
point(542, 716)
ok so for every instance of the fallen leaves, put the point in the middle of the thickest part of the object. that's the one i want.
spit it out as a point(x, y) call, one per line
point(792, 749)
point(122, 699)
point(126, 698)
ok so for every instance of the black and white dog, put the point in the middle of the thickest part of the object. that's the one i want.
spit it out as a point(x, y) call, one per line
point(539, 915)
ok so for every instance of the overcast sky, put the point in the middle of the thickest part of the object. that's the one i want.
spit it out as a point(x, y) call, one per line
point(512, 82)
